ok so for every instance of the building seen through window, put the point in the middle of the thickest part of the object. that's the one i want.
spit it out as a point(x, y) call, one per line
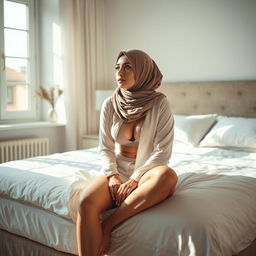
point(18, 76)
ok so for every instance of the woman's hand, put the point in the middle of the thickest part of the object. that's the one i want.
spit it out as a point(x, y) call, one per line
point(125, 190)
point(114, 183)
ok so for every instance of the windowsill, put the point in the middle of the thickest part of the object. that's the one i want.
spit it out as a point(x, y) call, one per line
point(17, 126)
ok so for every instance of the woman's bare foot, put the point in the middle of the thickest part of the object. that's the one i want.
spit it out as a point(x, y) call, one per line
point(106, 233)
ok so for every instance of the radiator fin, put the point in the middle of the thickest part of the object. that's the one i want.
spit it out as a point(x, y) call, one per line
point(23, 148)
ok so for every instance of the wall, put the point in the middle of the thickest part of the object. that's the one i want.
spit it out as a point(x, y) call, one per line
point(190, 40)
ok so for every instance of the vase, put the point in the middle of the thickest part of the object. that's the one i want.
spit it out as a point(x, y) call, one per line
point(52, 115)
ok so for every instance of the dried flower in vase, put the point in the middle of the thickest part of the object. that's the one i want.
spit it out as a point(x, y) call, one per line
point(49, 95)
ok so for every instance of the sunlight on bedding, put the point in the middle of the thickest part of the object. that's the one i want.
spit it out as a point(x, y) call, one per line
point(191, 246)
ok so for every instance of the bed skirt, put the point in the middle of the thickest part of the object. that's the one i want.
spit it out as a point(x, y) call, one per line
point(14, 245)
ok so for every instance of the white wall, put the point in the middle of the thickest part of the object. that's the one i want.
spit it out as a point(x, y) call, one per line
point(190, 40)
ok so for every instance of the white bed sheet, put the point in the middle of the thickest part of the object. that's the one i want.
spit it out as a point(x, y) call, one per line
point(50, 181)
point(211, 213)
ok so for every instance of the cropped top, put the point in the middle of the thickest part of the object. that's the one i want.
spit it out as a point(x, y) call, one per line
point(127, 142)
point(129, 134)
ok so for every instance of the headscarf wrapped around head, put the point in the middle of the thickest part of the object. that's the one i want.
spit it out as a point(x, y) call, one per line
point(132, 104)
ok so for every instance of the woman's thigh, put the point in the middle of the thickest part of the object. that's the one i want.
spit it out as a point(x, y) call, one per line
point(97, 195)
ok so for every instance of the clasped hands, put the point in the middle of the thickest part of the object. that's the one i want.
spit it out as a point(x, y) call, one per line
point(119, 190)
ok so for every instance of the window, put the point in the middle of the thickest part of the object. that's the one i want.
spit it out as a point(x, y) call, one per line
point(17, 46)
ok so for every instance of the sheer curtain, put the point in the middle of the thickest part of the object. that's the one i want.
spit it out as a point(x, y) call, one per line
point(84, 68)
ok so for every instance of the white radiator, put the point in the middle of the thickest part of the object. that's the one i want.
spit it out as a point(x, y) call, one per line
point(23, 148)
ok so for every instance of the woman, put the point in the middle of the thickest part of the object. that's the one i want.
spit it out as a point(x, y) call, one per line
point(138, 120)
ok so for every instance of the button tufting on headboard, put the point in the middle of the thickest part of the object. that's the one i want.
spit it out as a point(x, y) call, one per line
point(231, 98)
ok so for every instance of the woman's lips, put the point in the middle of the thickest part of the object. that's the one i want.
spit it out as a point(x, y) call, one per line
point(120, 80)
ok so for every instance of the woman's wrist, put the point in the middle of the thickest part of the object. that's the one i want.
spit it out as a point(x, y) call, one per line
point(134, 181)
point(116, 175)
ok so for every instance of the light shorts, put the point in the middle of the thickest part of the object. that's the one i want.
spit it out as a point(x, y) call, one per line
point(125, 166)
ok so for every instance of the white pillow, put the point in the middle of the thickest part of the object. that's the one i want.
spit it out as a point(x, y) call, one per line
point(235, 132)
point(191, 129)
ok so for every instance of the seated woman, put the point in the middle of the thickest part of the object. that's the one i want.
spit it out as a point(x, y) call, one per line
point(139, 120)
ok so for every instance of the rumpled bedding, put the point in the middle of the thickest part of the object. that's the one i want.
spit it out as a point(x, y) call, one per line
point(213, 210)
point(50, 182)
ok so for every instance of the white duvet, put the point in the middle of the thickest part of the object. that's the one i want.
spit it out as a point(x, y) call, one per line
point(213, 211)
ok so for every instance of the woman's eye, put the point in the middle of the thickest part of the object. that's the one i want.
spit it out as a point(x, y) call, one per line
point(127, 68)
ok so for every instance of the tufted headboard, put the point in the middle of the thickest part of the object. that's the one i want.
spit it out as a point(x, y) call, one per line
point(230, 98)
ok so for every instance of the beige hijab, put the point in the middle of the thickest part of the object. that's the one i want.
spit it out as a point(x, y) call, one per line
point(133, 104)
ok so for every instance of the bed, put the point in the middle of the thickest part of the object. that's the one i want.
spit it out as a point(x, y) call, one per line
point(213, 210)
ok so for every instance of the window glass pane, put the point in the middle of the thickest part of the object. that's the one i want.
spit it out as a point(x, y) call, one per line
point(15, 43)
point(16, 70)
point(10, 99)
point(15, 15)
point(17, 97)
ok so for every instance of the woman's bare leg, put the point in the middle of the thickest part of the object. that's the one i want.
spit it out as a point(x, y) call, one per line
point(154, 186)
point(97, 199)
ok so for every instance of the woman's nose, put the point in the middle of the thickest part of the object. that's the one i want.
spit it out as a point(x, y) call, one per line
point(120, 71)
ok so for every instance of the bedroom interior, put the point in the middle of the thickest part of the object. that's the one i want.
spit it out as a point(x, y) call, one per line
point(206, 52)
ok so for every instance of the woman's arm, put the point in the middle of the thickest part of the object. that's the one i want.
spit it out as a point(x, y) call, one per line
point(163, 141)
point(106, 142)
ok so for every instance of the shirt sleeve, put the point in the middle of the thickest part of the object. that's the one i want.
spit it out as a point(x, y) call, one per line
point(106, 141)
point(163, 141)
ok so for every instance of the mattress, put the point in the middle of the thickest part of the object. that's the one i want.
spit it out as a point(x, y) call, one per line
point(38, 225)
point(213, 210)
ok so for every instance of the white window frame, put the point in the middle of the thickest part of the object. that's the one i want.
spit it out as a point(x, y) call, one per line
point(31, 113)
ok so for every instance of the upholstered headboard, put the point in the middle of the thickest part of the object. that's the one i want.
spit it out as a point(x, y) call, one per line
point(230, 98)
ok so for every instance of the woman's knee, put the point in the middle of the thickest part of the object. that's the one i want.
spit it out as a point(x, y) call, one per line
point(173, 176)
point(87, 203)
point(91, 198)
point(167, 177)
point(165, 173)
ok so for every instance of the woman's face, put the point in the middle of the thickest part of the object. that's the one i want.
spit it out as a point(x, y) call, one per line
point(125, 76)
